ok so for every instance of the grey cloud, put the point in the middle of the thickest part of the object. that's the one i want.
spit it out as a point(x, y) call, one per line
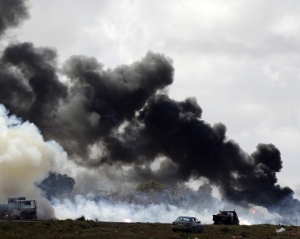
point(12, 13)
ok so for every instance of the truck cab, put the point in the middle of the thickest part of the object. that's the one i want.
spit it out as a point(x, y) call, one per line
point(22, 209)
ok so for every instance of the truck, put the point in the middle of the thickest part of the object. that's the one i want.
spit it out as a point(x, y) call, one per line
point(226, 217)
point(18, 209)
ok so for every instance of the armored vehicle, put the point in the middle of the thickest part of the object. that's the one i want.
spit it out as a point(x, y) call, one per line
point(18, 209)
point(226, 217)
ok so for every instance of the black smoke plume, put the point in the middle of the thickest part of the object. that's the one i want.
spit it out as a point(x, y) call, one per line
point(95, 101)
point(30, 84)
point(174, 129)
point(12, 13)
point(122, 111)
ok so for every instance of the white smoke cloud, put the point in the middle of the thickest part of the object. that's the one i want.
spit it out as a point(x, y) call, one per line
point(93, 208)
point(118, 211)
point(25, 159)
point(93, 198)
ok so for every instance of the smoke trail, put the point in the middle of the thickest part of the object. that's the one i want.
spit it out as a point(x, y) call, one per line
point(25, 159)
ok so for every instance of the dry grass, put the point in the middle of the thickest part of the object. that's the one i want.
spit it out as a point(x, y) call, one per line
point(57, 229)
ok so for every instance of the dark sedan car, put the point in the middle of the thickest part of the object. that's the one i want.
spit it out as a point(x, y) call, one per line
point(190, 224)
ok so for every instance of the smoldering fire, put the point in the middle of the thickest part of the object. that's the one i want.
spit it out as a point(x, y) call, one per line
point(108, 119)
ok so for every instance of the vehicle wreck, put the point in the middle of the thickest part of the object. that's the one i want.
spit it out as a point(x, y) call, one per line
point(226, 217)
point(18, 209)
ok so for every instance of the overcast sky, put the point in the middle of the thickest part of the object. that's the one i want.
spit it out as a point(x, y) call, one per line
point(240, 59)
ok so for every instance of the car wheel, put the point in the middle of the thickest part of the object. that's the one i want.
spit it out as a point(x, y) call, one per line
point(193, 230)
point(174, 230)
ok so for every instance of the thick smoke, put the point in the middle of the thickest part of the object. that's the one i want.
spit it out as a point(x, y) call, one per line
point(197, 149)
point(201, 150)
point(25, 159)
point(87, 109)
point(12, 13)
point(117, 123)
point(158, 206)
point(101, 100)
point(31, 88)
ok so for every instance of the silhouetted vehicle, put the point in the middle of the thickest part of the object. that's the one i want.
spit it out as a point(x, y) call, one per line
point(189, 224)
point(18, 209)
point(226, 217)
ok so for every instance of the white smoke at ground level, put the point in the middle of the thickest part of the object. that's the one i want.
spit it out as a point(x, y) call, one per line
point(25, 160)
point(117, 211)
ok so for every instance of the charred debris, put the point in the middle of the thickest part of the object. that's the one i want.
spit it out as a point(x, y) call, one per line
point(18, 209)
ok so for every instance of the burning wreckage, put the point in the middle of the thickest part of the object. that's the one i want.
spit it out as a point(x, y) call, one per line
point(226, 217)
point(18, 209)
point(102, 101)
